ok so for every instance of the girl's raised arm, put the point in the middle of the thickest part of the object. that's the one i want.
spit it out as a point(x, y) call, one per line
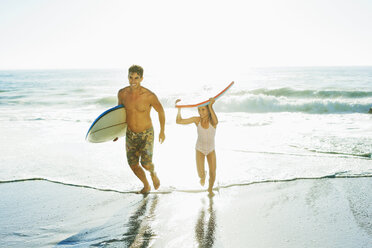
point(213, 114)
point(180, 120)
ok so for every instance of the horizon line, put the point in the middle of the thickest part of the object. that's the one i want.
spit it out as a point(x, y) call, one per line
point(121, 68)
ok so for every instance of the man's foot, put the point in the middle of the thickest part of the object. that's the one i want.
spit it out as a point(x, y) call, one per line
point(155, 180)
point(145, 190)
point(202, 179)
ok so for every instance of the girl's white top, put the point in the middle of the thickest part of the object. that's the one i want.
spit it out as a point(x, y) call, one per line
point(205, 142)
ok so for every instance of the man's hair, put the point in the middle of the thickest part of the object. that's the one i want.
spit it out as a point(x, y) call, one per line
point(137, 69)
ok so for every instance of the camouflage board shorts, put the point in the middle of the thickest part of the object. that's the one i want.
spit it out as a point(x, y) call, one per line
point(140, 145)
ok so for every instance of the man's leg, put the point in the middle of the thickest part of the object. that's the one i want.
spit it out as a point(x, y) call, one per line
point(140, 173)
point(132, 147)
point(154, 177)
point(146, 156)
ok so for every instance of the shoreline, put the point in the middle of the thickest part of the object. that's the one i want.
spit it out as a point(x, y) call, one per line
point(174, 190)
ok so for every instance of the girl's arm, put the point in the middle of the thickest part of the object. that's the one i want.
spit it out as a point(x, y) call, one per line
point(213, 114)
point(179, 119)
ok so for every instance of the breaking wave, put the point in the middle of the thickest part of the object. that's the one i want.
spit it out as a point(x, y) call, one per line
point(263, 104)
point(289, 92)
point(291, 100)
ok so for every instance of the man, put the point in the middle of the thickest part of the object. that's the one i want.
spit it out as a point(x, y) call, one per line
point(140, 133)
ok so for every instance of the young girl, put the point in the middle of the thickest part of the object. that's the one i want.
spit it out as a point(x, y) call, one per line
point(206, 124)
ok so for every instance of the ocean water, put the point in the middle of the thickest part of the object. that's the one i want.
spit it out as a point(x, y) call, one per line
point(275, 124)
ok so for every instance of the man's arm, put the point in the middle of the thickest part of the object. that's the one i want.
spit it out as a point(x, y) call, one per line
point(159, 108)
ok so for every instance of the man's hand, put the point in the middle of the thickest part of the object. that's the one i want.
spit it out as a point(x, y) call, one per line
point(161, 137)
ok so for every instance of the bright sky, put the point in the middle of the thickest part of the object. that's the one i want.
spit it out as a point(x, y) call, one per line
point(209, 35)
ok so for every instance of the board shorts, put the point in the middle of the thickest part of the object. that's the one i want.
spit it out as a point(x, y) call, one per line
point(140, 145)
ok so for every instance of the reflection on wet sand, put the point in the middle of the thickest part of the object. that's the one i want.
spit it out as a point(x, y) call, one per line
point(205, 230)
point(139, 233)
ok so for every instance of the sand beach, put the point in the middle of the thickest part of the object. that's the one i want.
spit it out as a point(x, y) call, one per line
point(329, 212)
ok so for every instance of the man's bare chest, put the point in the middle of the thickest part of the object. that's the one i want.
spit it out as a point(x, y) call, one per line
point(136, 103)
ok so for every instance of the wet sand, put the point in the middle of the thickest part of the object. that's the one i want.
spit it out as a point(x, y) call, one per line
point(332, 212)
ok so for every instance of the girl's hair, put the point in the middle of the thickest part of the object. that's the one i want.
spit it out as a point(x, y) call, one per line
point(209, 112)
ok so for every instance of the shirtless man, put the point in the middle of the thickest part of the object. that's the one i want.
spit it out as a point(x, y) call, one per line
point(140, 133)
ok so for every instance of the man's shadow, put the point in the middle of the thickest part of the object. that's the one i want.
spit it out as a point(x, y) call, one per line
point(205, 230)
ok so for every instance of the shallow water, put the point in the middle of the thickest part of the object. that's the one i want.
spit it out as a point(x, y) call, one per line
point(274, 124)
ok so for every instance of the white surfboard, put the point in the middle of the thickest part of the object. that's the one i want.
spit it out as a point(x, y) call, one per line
point(109, 125)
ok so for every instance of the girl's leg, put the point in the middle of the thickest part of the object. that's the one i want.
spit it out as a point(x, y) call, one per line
point(212, 161)
point(200, 158)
